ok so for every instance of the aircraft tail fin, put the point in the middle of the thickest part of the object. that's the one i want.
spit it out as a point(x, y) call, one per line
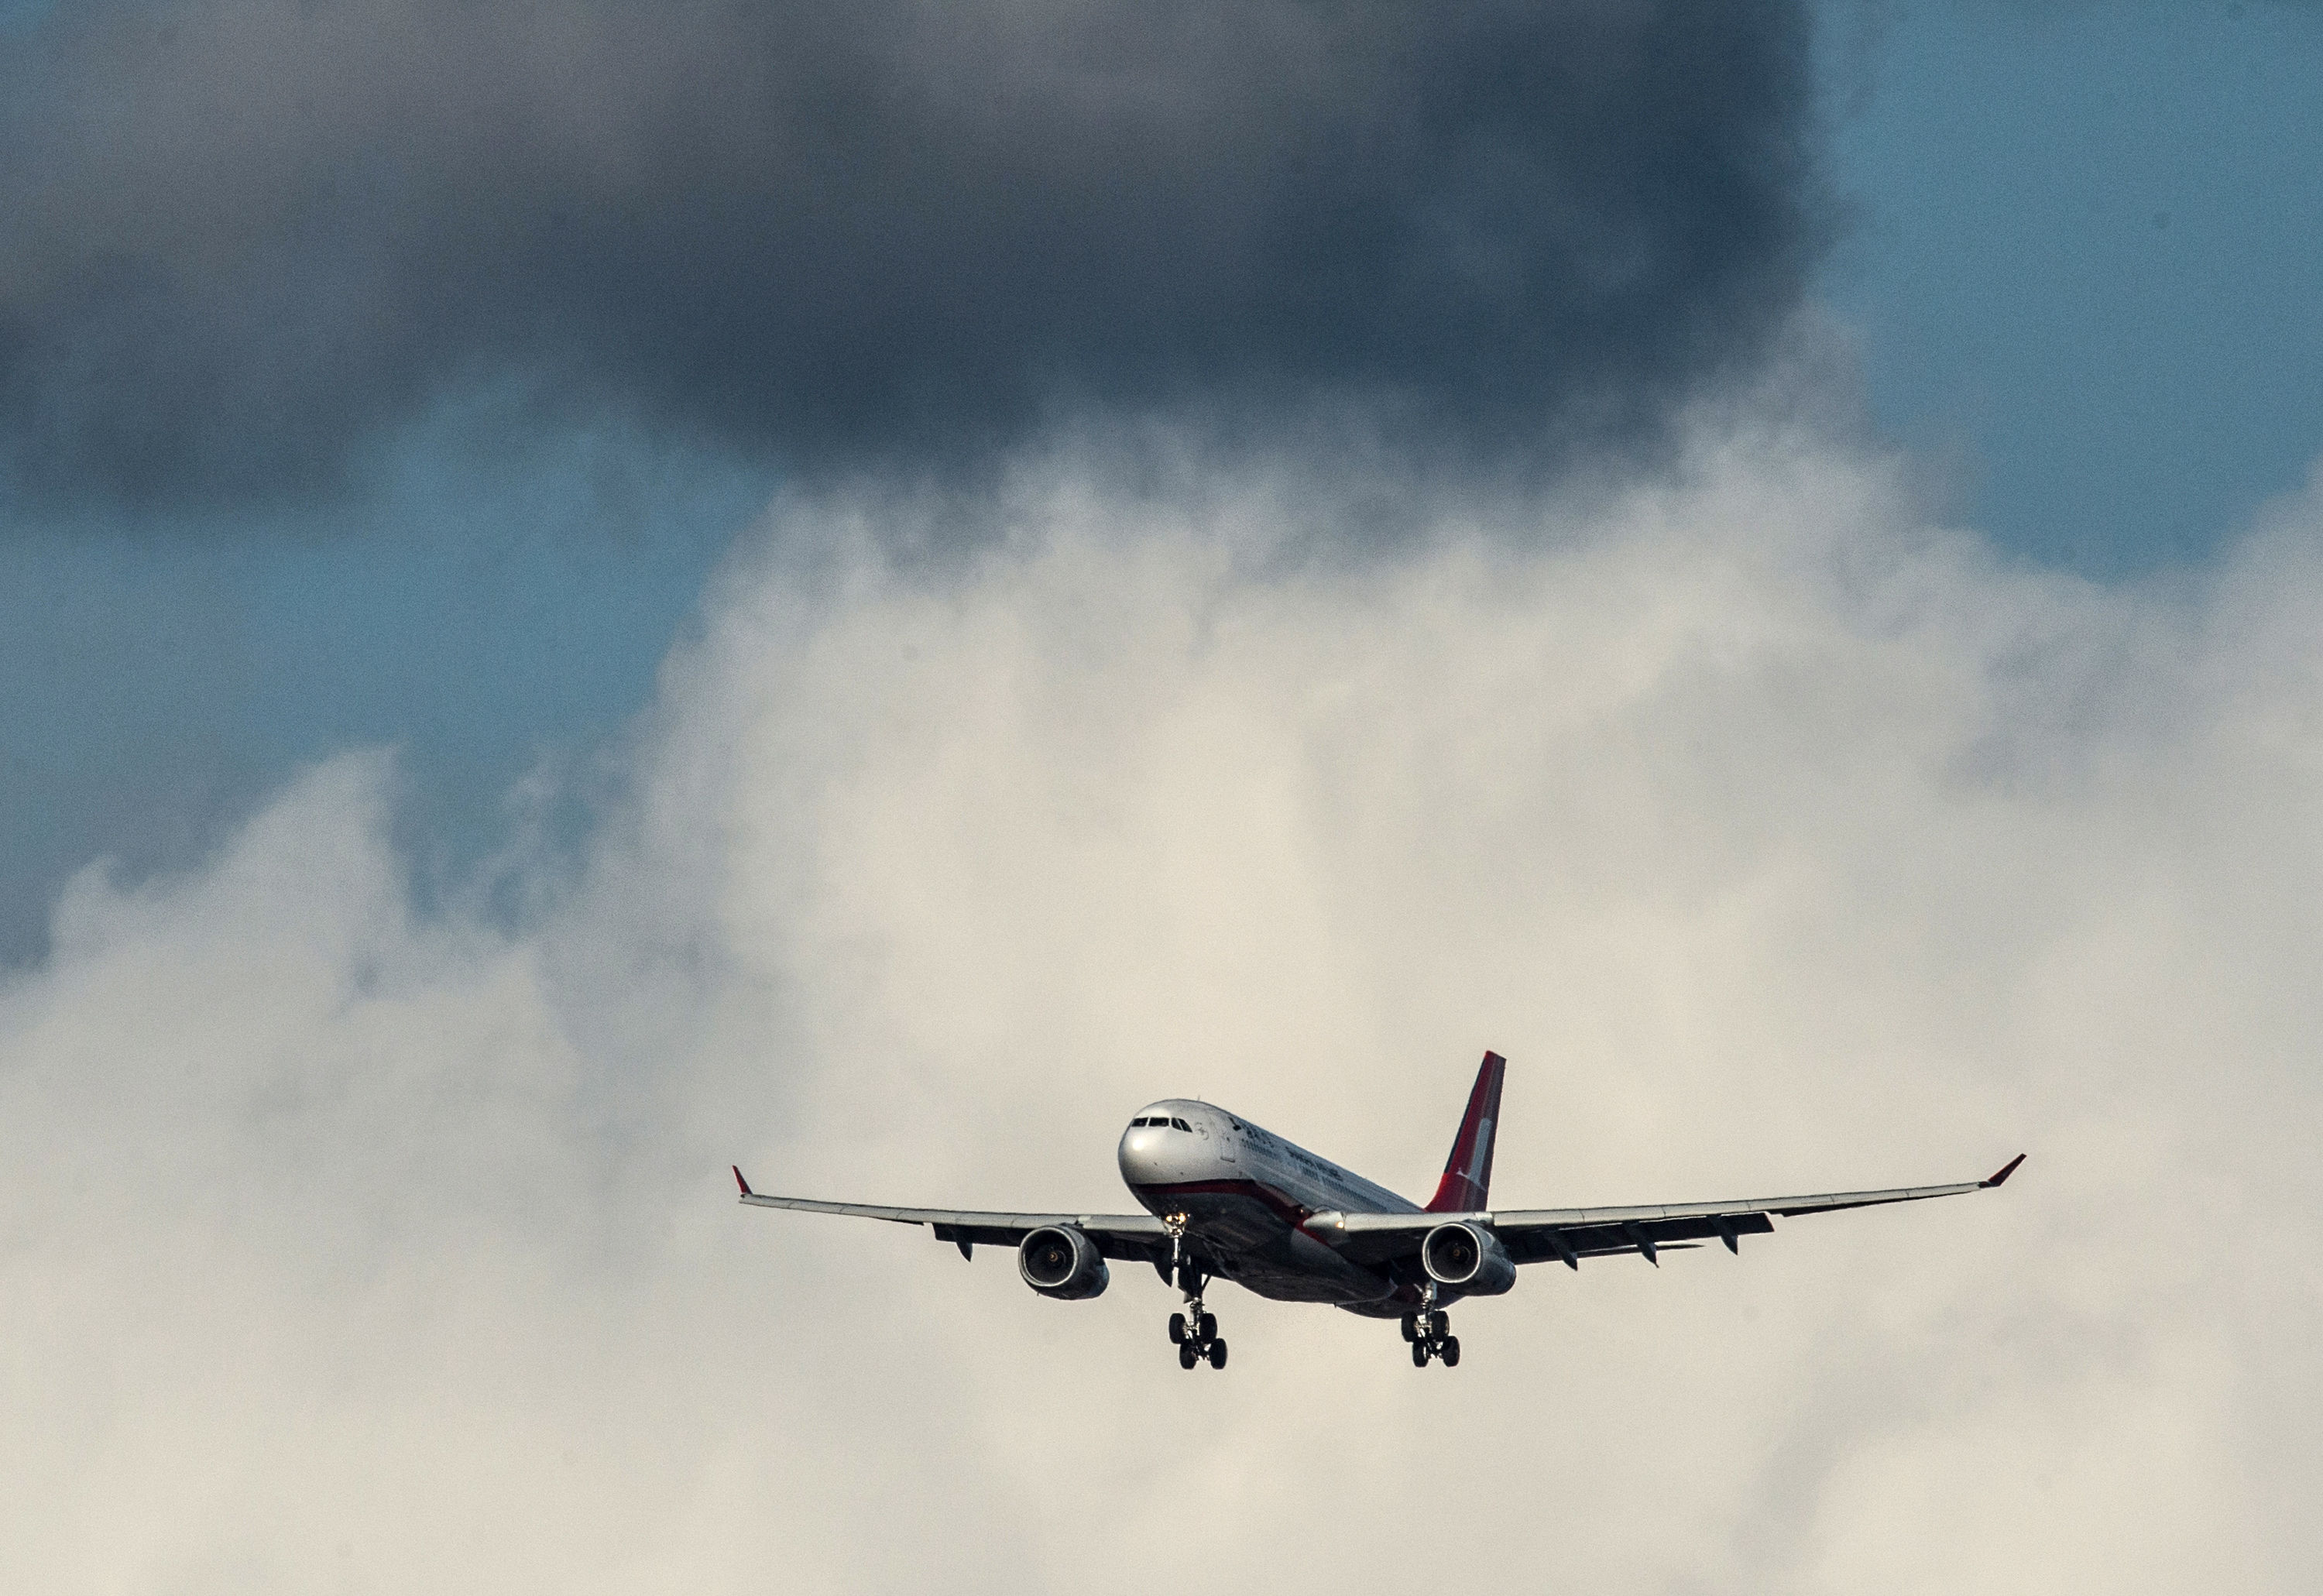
point(1467, 1180)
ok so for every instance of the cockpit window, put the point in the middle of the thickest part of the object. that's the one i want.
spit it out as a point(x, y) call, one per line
point(1179, 1124)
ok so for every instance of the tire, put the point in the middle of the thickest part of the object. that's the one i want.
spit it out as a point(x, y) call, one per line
point(1177, 1329)
point(1411, 1327)
point(1451, 1353)
point(1217, 1354)
point(1209, 1327)
point(1419, 1354)
point(1186, 1354)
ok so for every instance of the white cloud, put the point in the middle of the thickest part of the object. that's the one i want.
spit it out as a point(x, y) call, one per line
point(1781, 840)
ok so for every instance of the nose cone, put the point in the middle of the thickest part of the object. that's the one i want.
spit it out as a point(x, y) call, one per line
point(1155, 1153)
point(1143, 1157)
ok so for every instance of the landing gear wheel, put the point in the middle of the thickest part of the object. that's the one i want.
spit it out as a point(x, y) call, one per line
point(1419, 1354)
point(1411, 1327)
point(1194, 1331)
point(1450, 1352)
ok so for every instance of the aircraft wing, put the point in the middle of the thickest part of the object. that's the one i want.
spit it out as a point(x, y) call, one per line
point(1567, 1235)
point(1133, 1237)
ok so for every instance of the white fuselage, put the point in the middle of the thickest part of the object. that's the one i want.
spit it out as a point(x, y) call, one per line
point(1246, 1196)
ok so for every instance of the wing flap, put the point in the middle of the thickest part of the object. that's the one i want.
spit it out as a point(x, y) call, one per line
point(1121, 1243)
point(1571, 1243)
point(1137, 1237)
point(1567, 1235)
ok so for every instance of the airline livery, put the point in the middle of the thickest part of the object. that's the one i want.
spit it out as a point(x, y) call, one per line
point(1227, 1200)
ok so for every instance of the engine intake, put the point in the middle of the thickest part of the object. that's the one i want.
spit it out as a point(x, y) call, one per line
point(1060, 1260)
point(1468, 1258)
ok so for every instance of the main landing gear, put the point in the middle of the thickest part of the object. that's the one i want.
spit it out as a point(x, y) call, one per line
point(1196, 1335)
point(1429, 1331)
point(1194, 1332)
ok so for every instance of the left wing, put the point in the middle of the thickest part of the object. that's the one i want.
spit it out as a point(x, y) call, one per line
point(1536, 1235)
point(1137, 1237)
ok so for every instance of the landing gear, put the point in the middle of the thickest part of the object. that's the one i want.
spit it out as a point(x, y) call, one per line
point(1199, 1331)
point(1429, 1332)
point(1192, 1352)
point(1196, 1335)
point(1194, 1332)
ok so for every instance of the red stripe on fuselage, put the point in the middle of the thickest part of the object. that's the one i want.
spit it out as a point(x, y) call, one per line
point(1268, 1266)
point(1283, 1209)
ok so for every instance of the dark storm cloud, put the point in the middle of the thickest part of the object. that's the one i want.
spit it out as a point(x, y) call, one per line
point(237, 239)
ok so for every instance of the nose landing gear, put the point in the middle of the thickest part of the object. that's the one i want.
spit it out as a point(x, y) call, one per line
point(1195, 1332)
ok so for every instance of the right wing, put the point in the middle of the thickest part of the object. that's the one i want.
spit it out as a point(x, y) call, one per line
point(1132, 1237)
point(1542, 1235)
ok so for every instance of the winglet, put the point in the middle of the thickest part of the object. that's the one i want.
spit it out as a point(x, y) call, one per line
point(2007, 1170)
point(747, 1192)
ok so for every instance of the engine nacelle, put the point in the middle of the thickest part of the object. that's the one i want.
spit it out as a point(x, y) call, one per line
point(1060, 1260)
point(1468, 1258)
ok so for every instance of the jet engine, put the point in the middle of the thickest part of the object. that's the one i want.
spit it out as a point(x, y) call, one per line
point(1060, 1260)
point(1468, 1258)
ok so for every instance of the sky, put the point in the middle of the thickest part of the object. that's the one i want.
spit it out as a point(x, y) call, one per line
point(2081, 262)
point(2090, 391)
point(591, 596)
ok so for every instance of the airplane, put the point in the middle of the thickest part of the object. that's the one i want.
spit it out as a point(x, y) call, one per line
point(1227, 1200)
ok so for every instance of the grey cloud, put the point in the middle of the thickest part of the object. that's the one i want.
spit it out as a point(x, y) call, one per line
point(240, 241)
point(1776, 837)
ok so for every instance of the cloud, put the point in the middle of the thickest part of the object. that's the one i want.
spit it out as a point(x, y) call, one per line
point(1781, 840)
point(242, 241)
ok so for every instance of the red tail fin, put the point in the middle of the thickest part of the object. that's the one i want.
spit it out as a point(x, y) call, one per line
point(1467, 1180)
